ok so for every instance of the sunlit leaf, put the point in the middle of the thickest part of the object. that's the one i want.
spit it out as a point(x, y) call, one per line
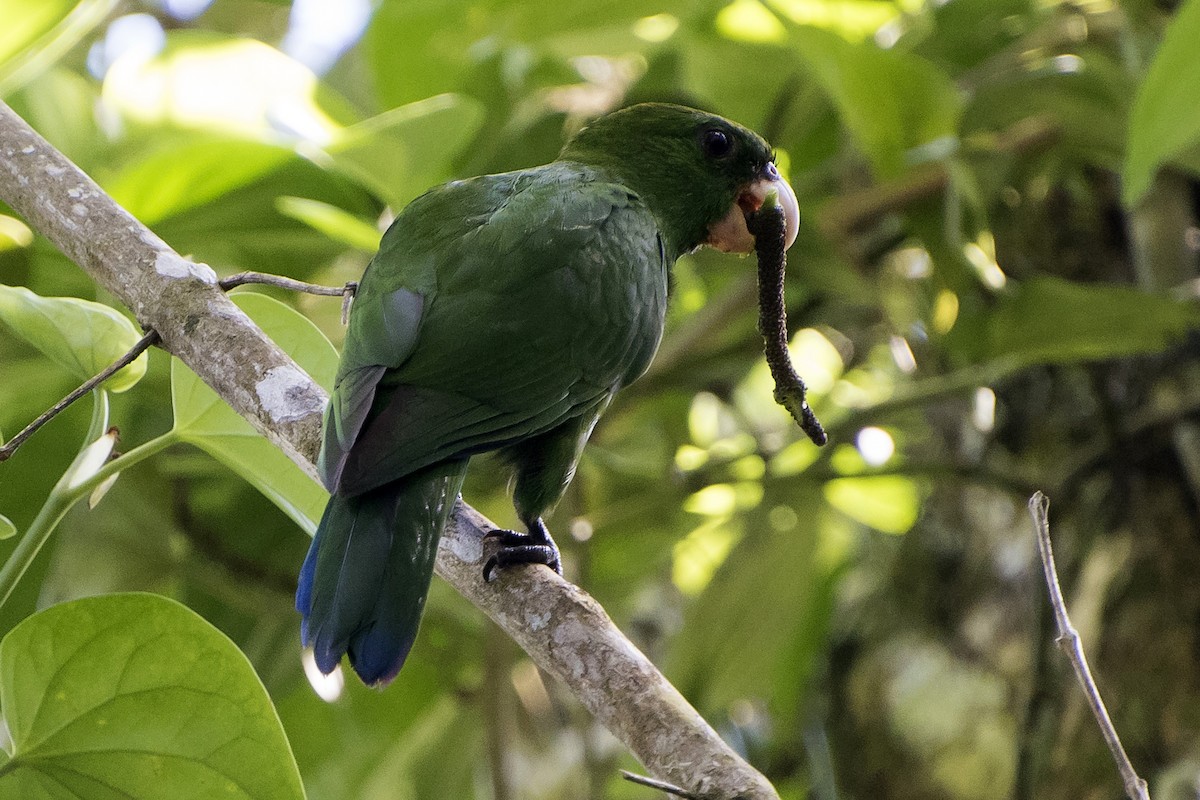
point(403, 152)
point(14, 233)
point(35, 35)
point(890, 101)
point(205, 420)
point(1166, 117)
point(191, 173)
point(754, 632)
point(887, 503)
point(7, 528)
point(209, 81)
point(81, 336)
point(332, 221)
point(136, 696)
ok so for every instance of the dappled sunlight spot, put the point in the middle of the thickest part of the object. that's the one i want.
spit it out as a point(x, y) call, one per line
point(816, 359)
point(983, 410)
point(734, 446)
point(875, 445)
point(698, 555)
point(794, 459)
point(241, 87)
point(1067, 64)
point(689, 458)
point(328, 687)
point(656, 28)
point(945, 311)
point(717, 500)
point(704, 419)
point(913, 263)
point(887, 503)
point(722, 499)
point(749, 21)
point(902, 354)
point(853, 19)
point(982, 256)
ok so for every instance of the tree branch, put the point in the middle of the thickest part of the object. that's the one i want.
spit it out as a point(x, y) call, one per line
point(562, 628)
point(1068, 640)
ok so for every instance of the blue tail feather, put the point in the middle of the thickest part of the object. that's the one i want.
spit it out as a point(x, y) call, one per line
point(364, 581)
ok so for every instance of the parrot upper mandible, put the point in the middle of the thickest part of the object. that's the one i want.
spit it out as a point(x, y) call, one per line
point(503, 312)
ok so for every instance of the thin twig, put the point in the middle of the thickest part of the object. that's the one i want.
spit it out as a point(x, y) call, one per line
point(146, 342)
point(654, 783)
point(770, 243)
point(291, 284)
point(1068, 640)
point(347, 291)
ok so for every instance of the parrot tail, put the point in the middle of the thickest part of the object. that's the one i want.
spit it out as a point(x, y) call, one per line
point(364, 581)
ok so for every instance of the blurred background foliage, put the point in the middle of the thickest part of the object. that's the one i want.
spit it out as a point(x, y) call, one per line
point(994, 292)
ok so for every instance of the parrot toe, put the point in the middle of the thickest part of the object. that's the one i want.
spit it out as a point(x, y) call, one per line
point(535, 547)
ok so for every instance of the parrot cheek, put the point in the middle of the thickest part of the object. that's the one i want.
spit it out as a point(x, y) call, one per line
point(730, 235)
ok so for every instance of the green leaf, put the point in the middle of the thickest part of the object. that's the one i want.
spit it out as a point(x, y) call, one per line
point(890, 101)
point(1049, 320)
point(35, 35)
point(334, 222)
point(7, 528)
point(886, 503)
point(243, 87)
point(782, 570)
point(1166, 117)
point(205, 420)
point(192, 173)
point(81, 336)
point(403, 152)
point(135, 696)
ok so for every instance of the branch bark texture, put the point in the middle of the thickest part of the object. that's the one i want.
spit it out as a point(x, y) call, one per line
point(560, 626)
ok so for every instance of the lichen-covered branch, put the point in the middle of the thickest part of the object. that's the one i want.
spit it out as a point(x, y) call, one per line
point(562, 629)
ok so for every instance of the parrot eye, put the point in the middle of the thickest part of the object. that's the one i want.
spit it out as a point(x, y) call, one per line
point(716, 143)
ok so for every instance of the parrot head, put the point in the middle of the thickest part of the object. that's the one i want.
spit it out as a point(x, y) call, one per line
point(701, 174)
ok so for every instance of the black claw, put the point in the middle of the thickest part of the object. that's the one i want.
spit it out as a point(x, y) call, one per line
point(535, 547)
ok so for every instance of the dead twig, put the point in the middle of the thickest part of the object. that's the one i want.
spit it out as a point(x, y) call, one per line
point(1068, 640)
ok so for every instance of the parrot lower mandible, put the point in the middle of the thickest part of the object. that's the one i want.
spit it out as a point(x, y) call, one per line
point(503, 313)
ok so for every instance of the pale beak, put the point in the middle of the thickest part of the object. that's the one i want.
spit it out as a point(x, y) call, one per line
point(730, 234)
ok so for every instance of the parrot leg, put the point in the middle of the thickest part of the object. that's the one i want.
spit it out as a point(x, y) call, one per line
point(535, 547)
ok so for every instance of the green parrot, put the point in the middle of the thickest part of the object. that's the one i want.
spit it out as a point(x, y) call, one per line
point(502, 313)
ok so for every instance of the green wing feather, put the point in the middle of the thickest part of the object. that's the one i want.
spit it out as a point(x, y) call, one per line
point(496, 309)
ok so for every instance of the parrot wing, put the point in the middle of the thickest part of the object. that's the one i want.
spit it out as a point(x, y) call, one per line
point(469, 335)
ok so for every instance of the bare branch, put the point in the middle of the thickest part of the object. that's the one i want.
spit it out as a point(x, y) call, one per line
point(563, 629)
point(1068, 640)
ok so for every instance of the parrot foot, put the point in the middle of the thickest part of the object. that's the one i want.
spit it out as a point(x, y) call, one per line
point(535, 547)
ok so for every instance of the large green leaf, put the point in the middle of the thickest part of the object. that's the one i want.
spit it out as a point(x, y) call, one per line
point(205, 420)
point(190, 173)
point(890, 101)
point(34, 35)
point(1049, 320)
point(79, 335)
point(135, 696)
point(755, 632)
point(403, 152)
point(1166, 116)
